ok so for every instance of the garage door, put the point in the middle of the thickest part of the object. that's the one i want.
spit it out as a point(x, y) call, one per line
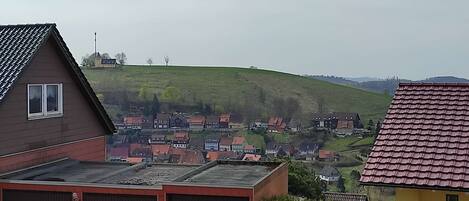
point(177, 197)
point(21, 195)
point(114, 197)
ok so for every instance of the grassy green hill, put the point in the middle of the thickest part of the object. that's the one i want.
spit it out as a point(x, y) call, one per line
point(229, 87)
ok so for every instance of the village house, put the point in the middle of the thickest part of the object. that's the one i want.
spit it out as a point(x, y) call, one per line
point(326, 155)
point(337, 120)
point(140, 151)
point(225, 143)
point(422, 149)
point(212, 144)
point(196, 122)
point(119, 139)
point(212, 121)
point(134, 122)
point(295, 125)
point(160, 152)
point(53, 146)
point(307, 150)
point(238, 144)
point(276, 125)
point(162, 121)
point(186, 156)
point(259, 124)
point(181, 140)
point(157, 139)
point(249, 149)
point(329, 174)
point(178, 120)
point(118, 153)
point(251, 157)
point(225, 120)
point(275, 149)
point(221, 155)
point(101, 62)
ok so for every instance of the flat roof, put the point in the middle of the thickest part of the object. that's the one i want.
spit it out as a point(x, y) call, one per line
point(215, 173)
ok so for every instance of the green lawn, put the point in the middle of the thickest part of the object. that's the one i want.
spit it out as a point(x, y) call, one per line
point(339, 144)
point(365, 141)
point(345, 172)
point(254, 139)
point(230, 87)
point(280, 137)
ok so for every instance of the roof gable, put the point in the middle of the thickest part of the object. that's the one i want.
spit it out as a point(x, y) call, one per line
point(424, 139)
point(19, 44)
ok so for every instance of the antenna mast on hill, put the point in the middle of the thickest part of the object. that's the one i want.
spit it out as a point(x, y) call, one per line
point(95, 45)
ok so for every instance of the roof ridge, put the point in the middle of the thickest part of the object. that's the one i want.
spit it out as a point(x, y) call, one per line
point(432, 84)
point(28, 25)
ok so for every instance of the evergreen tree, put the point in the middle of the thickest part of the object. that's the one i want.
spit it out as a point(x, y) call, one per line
point(155, 105)
point(340, 184)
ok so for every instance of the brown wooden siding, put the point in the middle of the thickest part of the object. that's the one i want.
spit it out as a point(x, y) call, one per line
point(78, 122)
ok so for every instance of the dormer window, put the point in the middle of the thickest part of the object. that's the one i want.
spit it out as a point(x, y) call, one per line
point(44, 100)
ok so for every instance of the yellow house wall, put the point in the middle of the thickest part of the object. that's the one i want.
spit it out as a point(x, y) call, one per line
point(406, 194)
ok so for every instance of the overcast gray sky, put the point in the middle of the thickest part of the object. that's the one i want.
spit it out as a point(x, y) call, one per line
point(378, 38)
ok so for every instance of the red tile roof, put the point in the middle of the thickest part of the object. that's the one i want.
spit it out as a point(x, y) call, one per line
point(214, 155)
point(325, 154)
point(181, 136)
point(197, 119)
point(225, 118)
point(226, 141)
point(251, 157)
point(133, 120)
point(424, 140)
point(160, 149)
point(239, 140)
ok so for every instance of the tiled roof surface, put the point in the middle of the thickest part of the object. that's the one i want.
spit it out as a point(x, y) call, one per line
point(239, 140)
point(334, 196)
point(424, 139)
point(18, 45)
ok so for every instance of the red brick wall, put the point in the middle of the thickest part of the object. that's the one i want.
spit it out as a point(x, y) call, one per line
point(275, 184)
point(92, 149)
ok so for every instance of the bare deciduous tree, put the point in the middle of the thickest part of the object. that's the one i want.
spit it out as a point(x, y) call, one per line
point(121, 58)
point(149, 61)
point(166, 60)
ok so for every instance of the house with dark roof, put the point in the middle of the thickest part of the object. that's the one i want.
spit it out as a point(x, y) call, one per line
point(337, 120)
point(422, 149)
point(162, 121)
point(212, 121)
point(47, 106)
point(224, 120)
point(102, 62)
point(329, 174)
point(178, 120)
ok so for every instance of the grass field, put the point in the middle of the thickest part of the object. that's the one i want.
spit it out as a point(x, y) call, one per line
point(280, 137)
point(229, 86)
point(339, 144)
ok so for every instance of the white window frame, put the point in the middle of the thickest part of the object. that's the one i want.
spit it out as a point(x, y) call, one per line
point(45, 113)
